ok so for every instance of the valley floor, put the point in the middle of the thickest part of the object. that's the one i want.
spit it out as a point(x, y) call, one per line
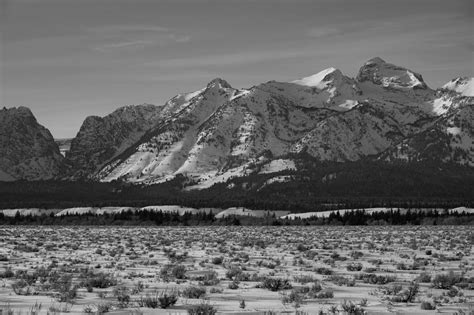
point(237, 270)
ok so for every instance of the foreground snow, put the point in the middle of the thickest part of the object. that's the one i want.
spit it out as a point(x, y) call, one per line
point(292, 253)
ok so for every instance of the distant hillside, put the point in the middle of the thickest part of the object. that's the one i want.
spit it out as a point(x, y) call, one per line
point(64, 145)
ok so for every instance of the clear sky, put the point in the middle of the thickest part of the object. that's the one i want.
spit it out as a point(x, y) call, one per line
point(68, 59)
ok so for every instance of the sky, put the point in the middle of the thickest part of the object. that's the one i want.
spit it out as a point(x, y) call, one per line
point(68, 59)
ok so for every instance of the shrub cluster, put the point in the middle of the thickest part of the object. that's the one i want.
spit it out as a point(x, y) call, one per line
point(275, 284)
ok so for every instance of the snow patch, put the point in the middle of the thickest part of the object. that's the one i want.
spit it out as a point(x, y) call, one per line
point(462, 209)
point(441, 105)
point(348, 104)
point(409, 80)
point(278, 166)
point(208, 179)
point(463, 86)
point(453, 130)
point(113, 210)
point(240, 211)
point(326, 214)
point(316, 80)
point(276, 179)
point(76, 211)
point(239, 94)
point(414, 80)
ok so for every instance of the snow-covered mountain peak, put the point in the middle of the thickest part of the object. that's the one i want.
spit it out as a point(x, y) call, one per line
point(461, 85)
point(220, 83)
point(327, 89)
point(388, 75)
point(320, 79)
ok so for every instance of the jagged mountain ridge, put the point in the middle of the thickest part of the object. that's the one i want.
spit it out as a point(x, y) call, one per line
point(164, 149)
point(211, 135)
point(27, 149)
point(328, 115)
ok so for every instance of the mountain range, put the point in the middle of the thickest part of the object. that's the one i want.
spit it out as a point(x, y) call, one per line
point(386, 114)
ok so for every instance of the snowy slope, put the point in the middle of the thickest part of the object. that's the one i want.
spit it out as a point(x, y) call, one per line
point(318, 80)
point(168, 148)
point(326, 89)
point(450, 139)
point(100, 139)
point(455, 94)
point(240, 211)
point(387, 75)
point(362, 131)
point(218, 133)
point(326, 214)
point(463, 86)
point(278, 165)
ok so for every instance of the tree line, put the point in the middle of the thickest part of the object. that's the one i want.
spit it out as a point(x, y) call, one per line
point(314, 186)
point(159, 218)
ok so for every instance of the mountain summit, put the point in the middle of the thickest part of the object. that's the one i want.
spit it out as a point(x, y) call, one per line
point(219, 83)
point(320, 79)
point(379, 72)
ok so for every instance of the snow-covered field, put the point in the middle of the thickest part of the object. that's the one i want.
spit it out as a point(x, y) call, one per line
point(236, 270)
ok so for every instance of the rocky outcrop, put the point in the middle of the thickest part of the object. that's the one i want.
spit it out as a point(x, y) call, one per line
point(27, 149)
point(100, 139)
point(379, 72)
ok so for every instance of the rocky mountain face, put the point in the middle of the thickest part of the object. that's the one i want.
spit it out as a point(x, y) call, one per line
point(386, 113)
point(27, 149)
point(172, 146)
point(100, 139)
point(219, 132)
point(450, 139)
